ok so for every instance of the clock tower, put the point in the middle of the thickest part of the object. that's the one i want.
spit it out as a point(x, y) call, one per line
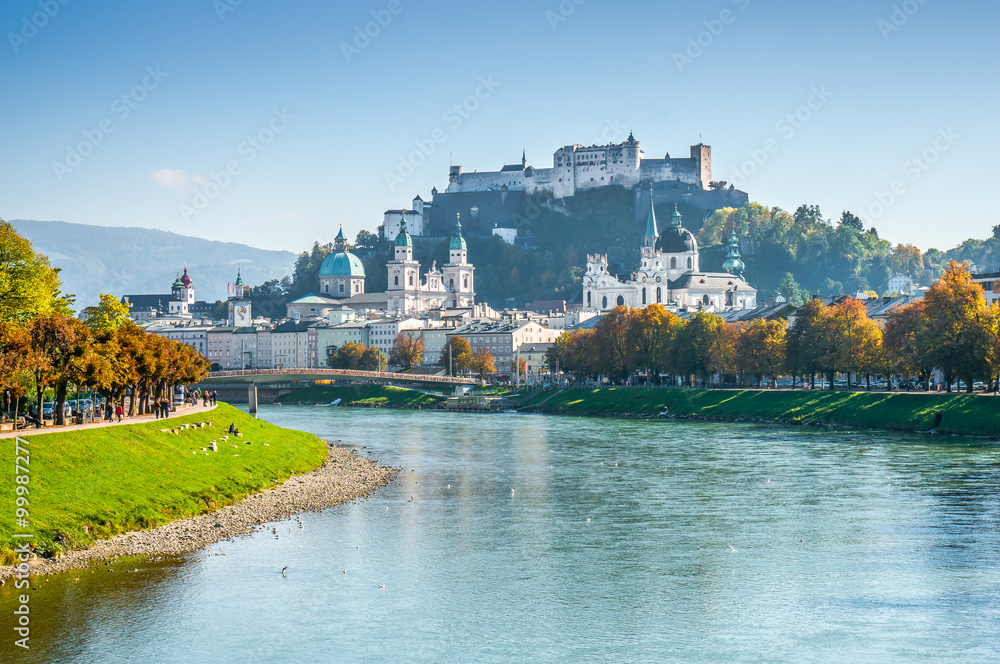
point(239, 304)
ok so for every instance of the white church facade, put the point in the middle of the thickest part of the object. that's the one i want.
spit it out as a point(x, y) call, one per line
point(451, 286)
point(669, 274)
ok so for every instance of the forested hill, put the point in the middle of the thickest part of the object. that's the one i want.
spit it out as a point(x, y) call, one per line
point(119, 261)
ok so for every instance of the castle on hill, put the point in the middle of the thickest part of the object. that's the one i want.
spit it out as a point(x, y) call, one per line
point(575, 167)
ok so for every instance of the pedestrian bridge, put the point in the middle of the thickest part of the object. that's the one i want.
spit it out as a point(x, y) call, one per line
point(254, 376)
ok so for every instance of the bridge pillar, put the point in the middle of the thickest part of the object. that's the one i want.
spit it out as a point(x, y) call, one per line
point(462, 390)
point(252, 397)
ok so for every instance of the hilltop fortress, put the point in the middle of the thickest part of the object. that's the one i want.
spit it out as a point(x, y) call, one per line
point(490, 202)
point(575, 167)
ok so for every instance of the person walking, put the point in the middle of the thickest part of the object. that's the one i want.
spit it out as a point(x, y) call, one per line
point(165, 407)
point(119, 411)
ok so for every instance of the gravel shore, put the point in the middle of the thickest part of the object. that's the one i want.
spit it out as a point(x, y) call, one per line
point(344, 476)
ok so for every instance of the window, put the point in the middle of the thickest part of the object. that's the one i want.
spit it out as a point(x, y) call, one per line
point(644, 296)
point(689, 262)
point(451, 284)
point(604, 302)
point(588, 299)
point(621, 300)
point(705, 300)
point(673, 263)
point(658, 297)
point(465, 282)
point(341, 288)
point(395, 280)
point(411, 279)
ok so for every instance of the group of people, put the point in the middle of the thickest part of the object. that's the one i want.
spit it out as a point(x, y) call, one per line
point(161, 408)
point(208, 398)
point(113, 410)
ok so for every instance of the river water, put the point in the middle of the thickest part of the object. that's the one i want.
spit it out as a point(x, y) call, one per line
point(529, 538)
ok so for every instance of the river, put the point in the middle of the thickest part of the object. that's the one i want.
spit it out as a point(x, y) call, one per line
point(531, 538)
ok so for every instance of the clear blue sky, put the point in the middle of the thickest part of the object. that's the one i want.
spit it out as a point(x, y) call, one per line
point(344, 121)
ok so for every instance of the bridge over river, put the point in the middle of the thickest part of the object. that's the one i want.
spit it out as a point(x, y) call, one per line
point(272, 383)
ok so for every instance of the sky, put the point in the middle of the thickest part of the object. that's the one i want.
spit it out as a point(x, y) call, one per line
point(271, 123)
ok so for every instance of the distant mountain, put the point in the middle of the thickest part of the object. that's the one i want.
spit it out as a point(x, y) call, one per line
point(120, 261)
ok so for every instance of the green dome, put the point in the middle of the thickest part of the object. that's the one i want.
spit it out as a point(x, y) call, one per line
point(733, 265)
point(403, 239)
point(457, 241)
point(342, 264)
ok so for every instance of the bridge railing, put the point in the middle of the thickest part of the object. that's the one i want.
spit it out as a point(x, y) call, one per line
point(347, 373)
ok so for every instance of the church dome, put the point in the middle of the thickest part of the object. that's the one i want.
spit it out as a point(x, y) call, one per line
point(185, 279)
point(676, 240)
point(457, 241)
point(403, 238)
point(342, 264)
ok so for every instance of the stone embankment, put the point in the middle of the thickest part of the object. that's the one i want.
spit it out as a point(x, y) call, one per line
point(344, 476)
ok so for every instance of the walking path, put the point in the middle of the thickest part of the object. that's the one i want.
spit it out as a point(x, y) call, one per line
point(177, 411)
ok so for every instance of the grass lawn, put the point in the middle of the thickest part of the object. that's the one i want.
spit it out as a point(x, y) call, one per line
point(87, 485)
point(961, 414)
point(362, 395)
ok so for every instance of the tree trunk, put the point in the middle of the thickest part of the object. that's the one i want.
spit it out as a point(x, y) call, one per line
point(59, 408)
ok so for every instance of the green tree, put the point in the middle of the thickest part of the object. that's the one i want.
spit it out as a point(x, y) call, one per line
point(696, 345)
point(110, 314)
point(850, 220)
point(29, 286)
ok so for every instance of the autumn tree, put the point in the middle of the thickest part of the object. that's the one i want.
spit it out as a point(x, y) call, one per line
point(459, 352)
point(651, 334)
point(15, 352)
point(59, 347)
point(611, 334)
point(348, 356)
point(807, 341)
point(407, 350)
point(697, 345)
point(760, 348)
point(855, 339)
point(483, 362)
point(961, 334)
point(904, 337)
point(372, 359)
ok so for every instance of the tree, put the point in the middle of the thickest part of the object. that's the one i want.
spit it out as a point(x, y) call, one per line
point(110, 314)
point(760, 348)
point(906, 259)
point(483, 362)
point(366, 240)
point(961, 335)
point(617, 359)
point(855, 339)
point(60, 346)
point(348, 356)
point(791, 291)
point(15, 349)
point(372, 359)
point(407, 350)
point(807, 340)
point(904, 337)
point(696, 342)
point(460, 352)
point(851, 221)
point(650, 336)
point(29, 286)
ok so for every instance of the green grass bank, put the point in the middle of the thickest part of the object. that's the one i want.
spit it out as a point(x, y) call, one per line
point(943, 413)
point(87, 485)
point(362, 395)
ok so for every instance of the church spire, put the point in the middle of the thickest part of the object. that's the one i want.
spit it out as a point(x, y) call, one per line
point(733, 265)
point(340, 242)
point(675, 218)
point(524, 159)
point(649, 237)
